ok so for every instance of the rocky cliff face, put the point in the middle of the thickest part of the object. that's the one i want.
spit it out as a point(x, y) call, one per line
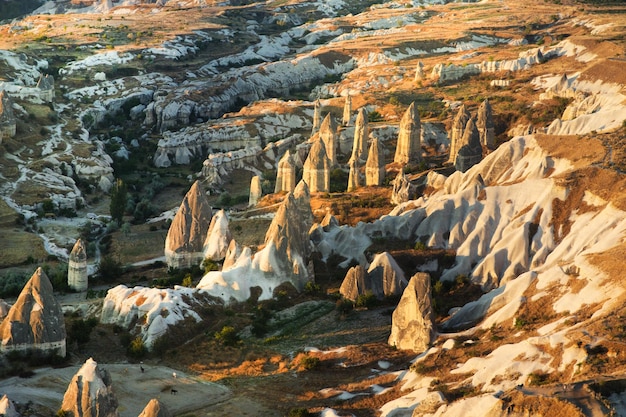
point(187, 233)
point(90, 393)
point(409, 147)
point(413, 321)
point(35, 321)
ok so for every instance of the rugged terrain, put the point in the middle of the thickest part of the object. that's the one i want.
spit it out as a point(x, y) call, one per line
point(525, 249)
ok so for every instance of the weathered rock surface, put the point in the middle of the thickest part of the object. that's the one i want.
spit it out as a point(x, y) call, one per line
point(419, 71)
point(285, 174)
point(8, 122)
point(383, 278)
point(7, 408)
point(413, 320)
point(77, 274)
point(470, 152)
point(316, 170)
point(403, 190)
point(218, 237)
point(155, 408)
point(317, 116)
point(485, 126)
point(409, 147)
point(90, 393)
point(355, 283)
point(46, 86)
point(361, 134)
point(187, 233)
point(35, 321)
point(375, 165)
point(347, 111)
point(328, 134)
point(354, 177)
point(255, 191)
point(458, 127)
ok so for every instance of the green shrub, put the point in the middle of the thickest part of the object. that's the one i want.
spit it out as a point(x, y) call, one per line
point(137, 349)
point(344, 306)
point(367, 300)
point(309, 362)
point(294, 412)
point(227, 336)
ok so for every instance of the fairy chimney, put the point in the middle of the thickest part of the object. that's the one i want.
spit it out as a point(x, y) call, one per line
point(256, 191)
point(354, 180)
point(89, 393)
point(361, 133)
point(375, 165)
point(185, 238)
point(458, 126)
point(413, 320)
point(328, 134)
point(285, 174)
point(347, 111)
point(317, 116)
point(45, 84)
point(77, 267)
point(218, 237)
point(409, 148)
point(35, 321)
point(470, 151)
point(316, 169)
point(419, 71)
point(485, 126)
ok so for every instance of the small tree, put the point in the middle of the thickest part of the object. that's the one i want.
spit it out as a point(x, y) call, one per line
point(137, 349)
point(227, 336)
point(119, 198)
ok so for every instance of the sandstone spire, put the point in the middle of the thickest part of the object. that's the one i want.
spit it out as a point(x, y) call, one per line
point(155, 408)
point(256, 191)
point(285, 174)
point(354, 283)
point(35, 321)
point(232, 254)
point(8, 123)
point(7, 408)
point(347, 111)
point(354, 180)
point(77, 268)
point(470, 151)
point(485, 126)
point(375, 165)
point(89, 393)
point(187, 233)
point(413, 320)
point(218, 237)
point(419, 71)
point(316, 169)
point(361, 133)
point(458, 126)
point(409, 147)
point(317, 116)
point(328, 134)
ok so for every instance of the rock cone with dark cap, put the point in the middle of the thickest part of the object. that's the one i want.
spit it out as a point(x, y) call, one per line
point(35, 321)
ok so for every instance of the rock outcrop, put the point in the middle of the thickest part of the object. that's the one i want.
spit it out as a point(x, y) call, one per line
point(317, 116)
point(470, 152)
point(187, 233)
point(409, 147)
point(485, 126)
point(8, 122)
point(285, 174)
point(7, 408)
point(403, 190)
point(347, 111)
point(383, 278)
point(232, 254)
point(89, 393)
point(77, 275)
point(316, 169)
point(361, 133)
point(458, 127)
point(354, 177)
point(218, 237)
point(46, 86)
point(35, 322)
point(328, 134)
point(413, 320)
point(256, 191)
point(155, 408)
point(375, 165)
point(354, 283)
point(419, 71)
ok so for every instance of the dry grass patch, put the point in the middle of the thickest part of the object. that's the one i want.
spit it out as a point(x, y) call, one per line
point(16, 246)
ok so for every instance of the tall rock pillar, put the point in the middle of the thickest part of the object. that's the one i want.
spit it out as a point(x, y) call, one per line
point(77, 268)
point(409, 147)
point(375, 165)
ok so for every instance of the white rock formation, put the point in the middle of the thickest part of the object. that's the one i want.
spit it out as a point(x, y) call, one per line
point(361, 135)
point(375, 165)
point(7, 408)
point(90, 394)
point(409, 147)
point(456, 134)
point(355, 283)
point(285, 174)
point(383, 278)
point(77, 275)
point(419, 71)
point(187, 233)
point(470, 151)
point(328, 134)
point(347, 111)
point(354, 177)
point(256, 191)
point(485, 126)
point(35, 321)
point(403, 190)
point(316, 169)
point(413, 320)
point(218, 237)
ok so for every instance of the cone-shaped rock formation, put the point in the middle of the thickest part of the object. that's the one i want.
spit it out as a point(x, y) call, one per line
point(347, 111)
point(458, 127)
point(255, 191)
point(485, 126)
point(386, 271)
point(77, 267)
point(413, 320)
point(403, 190)
point(354, 283)
point(419, 71)
point(470, 152)
point(354, 177)
point(328, 134)
point(35, 321)
point(375, 165)
point(89, 393)
point(285, 174)
point(317, 115)
point(409, 147)
point(185, 238)
point(361, 133)
point(155, 408)
point(218, 237)
point(316, 169)
point(7, 408)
